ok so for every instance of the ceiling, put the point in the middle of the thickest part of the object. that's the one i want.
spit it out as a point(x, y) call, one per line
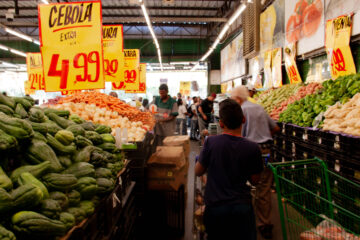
point(171, 18)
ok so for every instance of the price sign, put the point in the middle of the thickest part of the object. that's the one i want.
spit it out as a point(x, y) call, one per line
point(276, 67)
point(338, 33)
point(71, 45)
point(267, 70)
point(35, 71)
point(142, 80)
point(70, 92)
point(290, 64)
point(131, 71)
point(185, 88)
point(28, 90)
point(113, 44)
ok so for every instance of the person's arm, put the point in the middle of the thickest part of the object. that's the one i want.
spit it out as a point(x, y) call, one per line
point(204, 158)
point(193, 109)
point(173, 114)
point(202, 113)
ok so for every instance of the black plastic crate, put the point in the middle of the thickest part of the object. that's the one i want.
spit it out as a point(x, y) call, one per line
point(311, 136)
point(297, 132)
point(288, 130)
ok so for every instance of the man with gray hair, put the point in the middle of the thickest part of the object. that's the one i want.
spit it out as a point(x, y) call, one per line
point(259, 128)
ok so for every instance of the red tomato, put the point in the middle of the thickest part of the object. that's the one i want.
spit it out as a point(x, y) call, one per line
point(312, 18)
point(293, 29)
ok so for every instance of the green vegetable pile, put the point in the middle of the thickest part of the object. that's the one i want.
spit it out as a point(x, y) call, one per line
point(304, 111)
point(275, 97)
point(53, 169)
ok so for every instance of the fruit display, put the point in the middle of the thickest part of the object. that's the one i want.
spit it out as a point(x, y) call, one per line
point(274, 98)
point(90, 112)
point(304, 111)
point(109, 105)
point(300, 93)
point(344, 118)
point(53, 169)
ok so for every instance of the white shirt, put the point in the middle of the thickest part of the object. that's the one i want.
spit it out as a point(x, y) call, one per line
point(193, 108)
point(182, 111)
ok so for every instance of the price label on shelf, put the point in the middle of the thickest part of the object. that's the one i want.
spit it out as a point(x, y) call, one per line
point(142, 80)
point(35, 71)
point(131, 71)
point(337, 39)
point(113, 44)
point(71, 45)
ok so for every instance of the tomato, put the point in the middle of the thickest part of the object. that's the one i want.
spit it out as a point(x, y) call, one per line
point(312, 18)
point(293, 29)
point(300, 7)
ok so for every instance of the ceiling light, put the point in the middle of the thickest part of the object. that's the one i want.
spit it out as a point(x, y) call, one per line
point(237, 13)
point(45, 1)
point(17, 52)
point(36, 42)
point(2, 47)
point(223, 31)
point(18, 34)
point(9, 64)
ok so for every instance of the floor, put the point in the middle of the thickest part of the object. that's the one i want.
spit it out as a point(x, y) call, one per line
point(189, 211)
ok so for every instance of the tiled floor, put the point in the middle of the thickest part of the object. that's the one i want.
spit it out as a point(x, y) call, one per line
point(189, 211)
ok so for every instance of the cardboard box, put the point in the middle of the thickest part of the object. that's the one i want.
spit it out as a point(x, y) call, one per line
point(183, 141)
point(168, 156)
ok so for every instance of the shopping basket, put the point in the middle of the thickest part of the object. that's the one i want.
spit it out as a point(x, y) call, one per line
point(315, 203)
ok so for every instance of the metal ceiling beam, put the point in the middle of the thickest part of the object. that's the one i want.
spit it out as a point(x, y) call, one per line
point(135, 8)
point(164, 18)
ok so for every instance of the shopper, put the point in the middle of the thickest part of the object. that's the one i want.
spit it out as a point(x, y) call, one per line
point(194, 119)
point(259, 128)
point(113, 94)
point(252, 91)
point(181, 127)
point(145, 105)
point(166, 117)
point(206, 109)
point(230, 162)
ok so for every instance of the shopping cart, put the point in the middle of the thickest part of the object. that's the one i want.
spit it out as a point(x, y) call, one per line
point(315, 203)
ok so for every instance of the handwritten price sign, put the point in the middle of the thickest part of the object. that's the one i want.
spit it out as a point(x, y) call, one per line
point(338, 32)
point(71, 46)
point(131, 71)
point(290, 64)
point(35, 71)
point(142, 80)
point(113, 44)
point(27, 89)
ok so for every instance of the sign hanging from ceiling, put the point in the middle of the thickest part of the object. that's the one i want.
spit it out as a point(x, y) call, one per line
point(71, 45)
point(113, 43)
point(35, 71)
point(130, 82)
point(142, 80)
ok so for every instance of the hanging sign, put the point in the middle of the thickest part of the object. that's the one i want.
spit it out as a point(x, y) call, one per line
point(338, 32)
point(267, 70)
point(276, 60)
point(71, 45)
point(290, 64)
point(113, 44)
point(142, 80)
point(131, 71)
point(27, 88)
point(256, 79)
point(35, 71)
point(185, 88)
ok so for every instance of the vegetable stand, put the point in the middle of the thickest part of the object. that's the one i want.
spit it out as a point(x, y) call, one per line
point(315, 203)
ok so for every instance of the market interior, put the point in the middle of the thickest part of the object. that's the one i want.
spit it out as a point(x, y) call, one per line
point(180, 119)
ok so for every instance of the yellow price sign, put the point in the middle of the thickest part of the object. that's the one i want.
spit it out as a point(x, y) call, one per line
point(113, 43)
point(290, 64)
point(27, 88)
point(131, 71)
point(35, 71)
point(71, 45)
point(142, 80)
point(185, 88)
point(338, 33)
point(276, 67)
point(267, 69)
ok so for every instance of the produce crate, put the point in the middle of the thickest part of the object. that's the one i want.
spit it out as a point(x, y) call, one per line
point(277, 155)
point(347, 167)
point(297, 132)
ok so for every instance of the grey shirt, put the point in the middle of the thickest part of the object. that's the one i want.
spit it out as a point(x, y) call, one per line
point(258, 124)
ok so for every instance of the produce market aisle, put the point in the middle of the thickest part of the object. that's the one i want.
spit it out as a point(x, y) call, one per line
point(189, 207)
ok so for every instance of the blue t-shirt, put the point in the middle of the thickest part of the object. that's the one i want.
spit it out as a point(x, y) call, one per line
point(230, 161)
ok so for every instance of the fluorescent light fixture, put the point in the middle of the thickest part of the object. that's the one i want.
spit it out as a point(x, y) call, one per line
point(17, 52)
point(36, 42)
point(18, 34)
point(9, 64)
point(148, 22)
point(2, 47)
point(223, 31)
point(237, 13)
point(45, 1)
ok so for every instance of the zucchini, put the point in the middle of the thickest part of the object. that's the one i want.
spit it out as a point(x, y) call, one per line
point(50, 208)
point(81, 169)
point(28, 178)
point(65, 161)
point(8, 101)
point(6, 109)
point(65, 137)
point(5, 181)
point(19, 109)
point(61, 198)
point(26, 196)
point(60, 182)
point(61, 113)
point(25, 103)
point(76, 130)
point(59, 147)
point(15, 127)
point(6, 201)
point(68, 219)
point(60, 121)
point(7, 141)
point(36, 170)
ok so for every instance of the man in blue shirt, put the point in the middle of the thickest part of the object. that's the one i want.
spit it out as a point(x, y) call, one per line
point(230, 162)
